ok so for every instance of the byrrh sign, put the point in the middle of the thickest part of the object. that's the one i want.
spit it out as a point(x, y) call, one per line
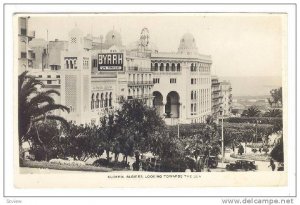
point(110, 61)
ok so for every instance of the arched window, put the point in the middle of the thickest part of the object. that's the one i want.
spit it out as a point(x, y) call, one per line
point(97, 100)
point(161, 67)
point(173, 67)
point(192, 95)
point(167, 67)
point(152, 66)
point(178, 67)
point(155, 67)
point(92, 102)
point(101, 100)
point(110, 100)
point(192, 67)
point(106, 100)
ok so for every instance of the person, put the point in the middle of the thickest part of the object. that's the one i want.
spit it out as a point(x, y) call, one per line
point(272, 164)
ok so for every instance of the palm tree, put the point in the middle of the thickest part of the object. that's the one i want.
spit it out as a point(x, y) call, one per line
point(273, 113)
point(35, 105)
point(252, 111)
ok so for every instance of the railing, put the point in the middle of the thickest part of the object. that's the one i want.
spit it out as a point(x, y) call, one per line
point(140, 82)
point(137, 68)
point(139, 96)
point(167, 72)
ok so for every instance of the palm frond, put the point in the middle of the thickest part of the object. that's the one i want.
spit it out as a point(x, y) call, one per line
point(50, 107)
point(41, 98)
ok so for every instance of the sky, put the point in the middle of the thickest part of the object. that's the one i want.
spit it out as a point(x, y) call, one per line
point(239, 44)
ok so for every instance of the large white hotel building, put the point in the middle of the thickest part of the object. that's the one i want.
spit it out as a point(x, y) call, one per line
point(93, 74)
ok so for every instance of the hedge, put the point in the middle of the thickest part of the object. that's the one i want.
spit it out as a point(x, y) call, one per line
point(254, 120)
point(47, 165)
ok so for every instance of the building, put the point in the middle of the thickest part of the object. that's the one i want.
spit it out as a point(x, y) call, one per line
point(216, 98)
point(109, 87)
point(182, 83)
point(94, 75)
point(54, 51)
point(76, 78)
point(39, 53)
point(24, 52)
point(226, 97)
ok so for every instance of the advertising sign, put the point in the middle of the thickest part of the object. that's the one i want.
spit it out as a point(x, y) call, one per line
point(110, 61)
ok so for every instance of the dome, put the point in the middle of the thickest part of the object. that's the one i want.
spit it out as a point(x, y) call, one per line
point(187, 44)
point(113, 38)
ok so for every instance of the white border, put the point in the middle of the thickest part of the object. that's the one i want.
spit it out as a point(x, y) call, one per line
point(280, 191)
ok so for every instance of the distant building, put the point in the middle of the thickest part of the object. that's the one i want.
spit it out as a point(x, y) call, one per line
point(39, 53)
point(24, 52)
point(216, 97)
point(226, 97)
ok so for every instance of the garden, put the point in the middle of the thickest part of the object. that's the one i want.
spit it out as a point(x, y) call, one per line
point(127, 133)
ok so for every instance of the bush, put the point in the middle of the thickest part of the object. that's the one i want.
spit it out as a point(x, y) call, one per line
point(113, 165)
point(254, 150)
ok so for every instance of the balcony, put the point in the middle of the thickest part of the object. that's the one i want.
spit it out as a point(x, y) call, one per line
point(136, 83)
point(130, 97)
point(167, 72)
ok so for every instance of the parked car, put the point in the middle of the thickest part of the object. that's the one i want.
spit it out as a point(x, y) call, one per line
point(280, 167)
point(241, 164)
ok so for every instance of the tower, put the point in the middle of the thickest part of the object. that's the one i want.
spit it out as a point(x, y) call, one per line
point(76, 78)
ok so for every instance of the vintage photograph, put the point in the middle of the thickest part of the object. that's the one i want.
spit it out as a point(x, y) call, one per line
point(147, 93)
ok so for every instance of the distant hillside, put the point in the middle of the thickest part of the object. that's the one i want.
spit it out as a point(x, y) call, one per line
point(253, 86)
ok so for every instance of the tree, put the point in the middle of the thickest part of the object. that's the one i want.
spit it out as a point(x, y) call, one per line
point(35, 105)
point(273, 113)
point(252, 111)
point(277, 153)
point(139, 126)
point(108, 132)
point(276, 97)
point(81, 142)
point(44, 139)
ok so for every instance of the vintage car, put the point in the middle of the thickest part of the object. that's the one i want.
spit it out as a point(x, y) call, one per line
point(241, 165)
point(280, 167)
